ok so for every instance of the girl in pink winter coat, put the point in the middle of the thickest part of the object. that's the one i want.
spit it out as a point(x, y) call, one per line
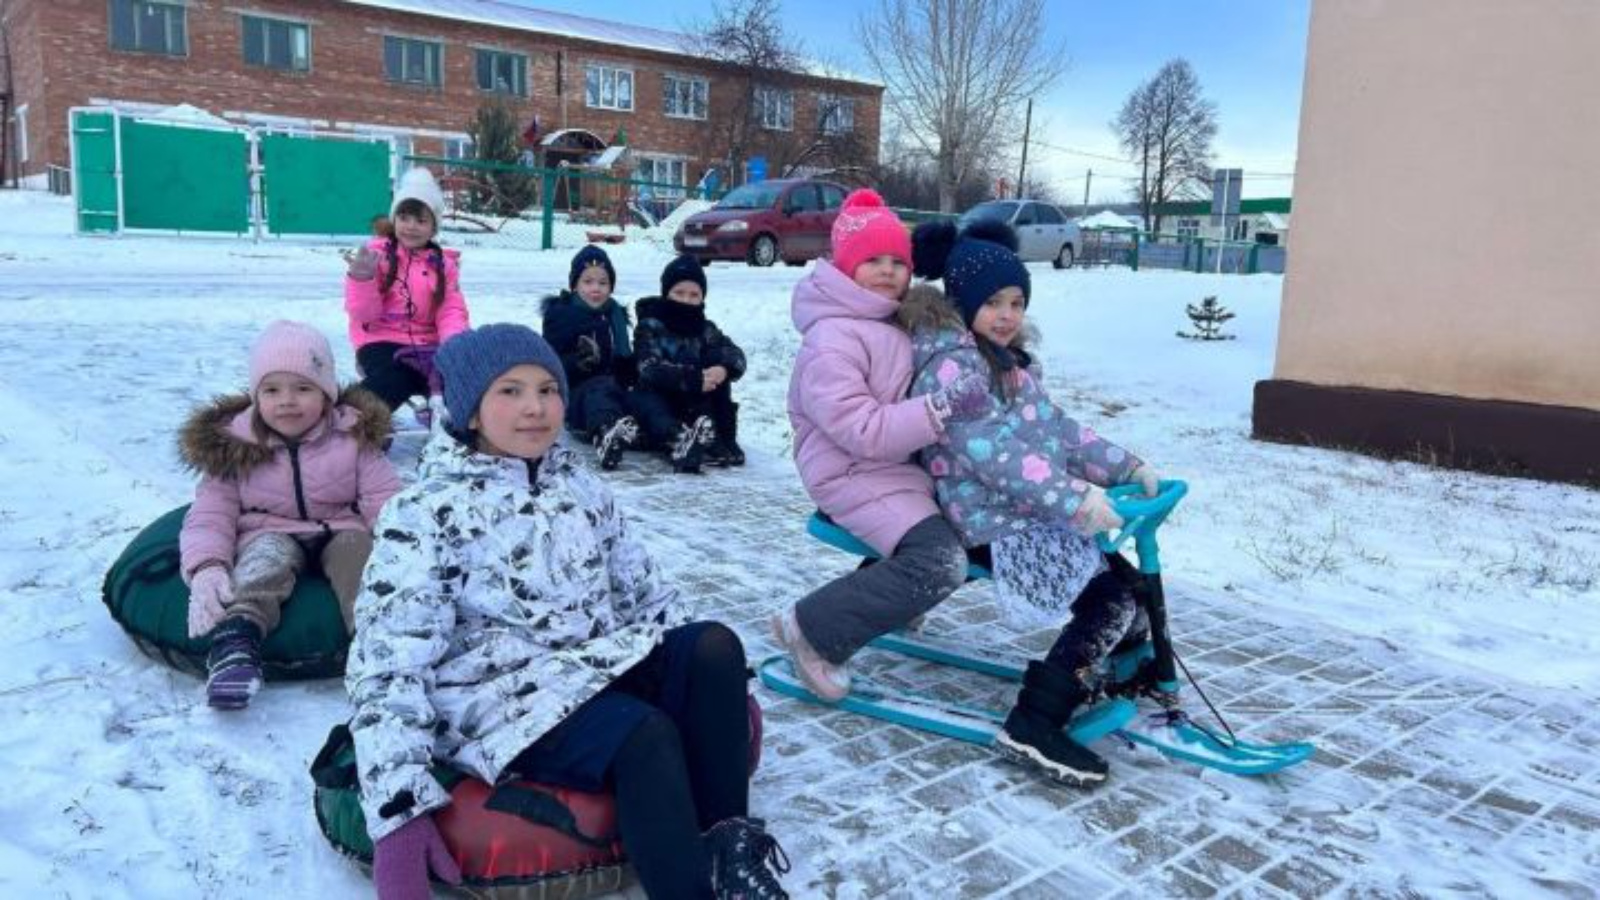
point(293, 475)
point(856, 435)
point(403, 297)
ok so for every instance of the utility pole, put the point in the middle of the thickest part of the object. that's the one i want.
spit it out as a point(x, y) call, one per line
point(1087, 177)
point(1022, 176)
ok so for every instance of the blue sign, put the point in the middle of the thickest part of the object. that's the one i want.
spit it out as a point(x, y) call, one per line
point(756, 169)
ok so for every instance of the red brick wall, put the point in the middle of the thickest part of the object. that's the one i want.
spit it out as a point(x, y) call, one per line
point(21, 22)
point(347, 83)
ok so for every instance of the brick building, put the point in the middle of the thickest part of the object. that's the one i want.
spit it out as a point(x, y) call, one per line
point(416, 70)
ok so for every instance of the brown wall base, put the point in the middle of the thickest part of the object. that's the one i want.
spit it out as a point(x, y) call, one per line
point(1556, 443)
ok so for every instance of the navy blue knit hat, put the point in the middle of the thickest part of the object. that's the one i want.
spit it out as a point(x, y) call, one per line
point(684, 268)
point(590, 255)
point(471, 360)
point(975, 264)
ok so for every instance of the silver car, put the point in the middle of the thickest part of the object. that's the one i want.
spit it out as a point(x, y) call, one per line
point(1043, 230)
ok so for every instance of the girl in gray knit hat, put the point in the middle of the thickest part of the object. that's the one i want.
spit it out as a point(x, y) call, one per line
point(512, 625)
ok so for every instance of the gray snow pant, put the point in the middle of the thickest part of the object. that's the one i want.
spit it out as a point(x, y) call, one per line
point(840, 617)
point(264, 573)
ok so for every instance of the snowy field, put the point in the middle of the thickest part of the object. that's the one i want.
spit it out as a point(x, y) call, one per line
point(124, 783)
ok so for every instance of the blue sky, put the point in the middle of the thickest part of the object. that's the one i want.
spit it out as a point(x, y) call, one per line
point(1249, 55)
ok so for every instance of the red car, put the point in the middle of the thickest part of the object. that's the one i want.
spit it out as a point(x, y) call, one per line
point(786, 218)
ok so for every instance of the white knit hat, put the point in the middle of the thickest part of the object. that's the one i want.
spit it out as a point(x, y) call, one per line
point(418, 184)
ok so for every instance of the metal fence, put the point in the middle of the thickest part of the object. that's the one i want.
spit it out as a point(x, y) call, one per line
point(1146, 250)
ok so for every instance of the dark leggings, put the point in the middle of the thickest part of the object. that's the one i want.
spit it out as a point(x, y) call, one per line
point(1104, 613)
point(677, 775)
point(393, 381)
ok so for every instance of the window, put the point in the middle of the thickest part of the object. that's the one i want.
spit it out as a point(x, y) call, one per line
point(1026, 215)
point(835, 115)
point(149, 27)
point(1189, 228)
point(459, 148)
point(605, 87)
point(803, 199)
point(410, 61)
point(1048, 215)
point(277, 44)
point(685, 98)
point(662, 170)
point(774, 108)
point(21, 120)
point(832, 197)
point(502, 73)
point(1241, 229)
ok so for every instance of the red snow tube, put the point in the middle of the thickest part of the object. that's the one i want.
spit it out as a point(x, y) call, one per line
point(538, 841)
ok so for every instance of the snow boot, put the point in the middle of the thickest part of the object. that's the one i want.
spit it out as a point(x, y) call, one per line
point(610, 442)
point(725, 450)
point(1032, 736)
point(745, 860)
point(233, 666)
point(831, 683)
point(689, 449)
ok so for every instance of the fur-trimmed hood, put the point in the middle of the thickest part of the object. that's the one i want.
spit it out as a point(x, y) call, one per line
point(217, 439)
point(927, 308)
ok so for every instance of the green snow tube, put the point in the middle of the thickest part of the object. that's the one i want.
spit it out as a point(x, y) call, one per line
point(147, 597)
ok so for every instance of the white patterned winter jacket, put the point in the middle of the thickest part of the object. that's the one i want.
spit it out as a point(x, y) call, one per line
point(491, 607)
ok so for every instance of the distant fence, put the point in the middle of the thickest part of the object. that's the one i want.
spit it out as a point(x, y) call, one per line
point(1146, 250)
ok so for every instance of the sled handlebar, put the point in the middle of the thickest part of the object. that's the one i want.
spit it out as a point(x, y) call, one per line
point(1141, 516)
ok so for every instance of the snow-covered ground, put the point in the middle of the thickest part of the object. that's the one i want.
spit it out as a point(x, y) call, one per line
point(124, 783)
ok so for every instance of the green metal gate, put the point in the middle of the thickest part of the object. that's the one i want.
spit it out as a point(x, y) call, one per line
point(322, 185)
point(133, 173)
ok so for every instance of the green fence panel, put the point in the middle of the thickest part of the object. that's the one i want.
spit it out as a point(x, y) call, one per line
point(323, 185)
point(185, 179)
point(94, 144)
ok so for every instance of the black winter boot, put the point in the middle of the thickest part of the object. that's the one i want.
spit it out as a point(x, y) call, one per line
point(1033, 735)
point(610, 442)
point(233, 667)
point(689, 449)
point(741, 853)
point(725, 450)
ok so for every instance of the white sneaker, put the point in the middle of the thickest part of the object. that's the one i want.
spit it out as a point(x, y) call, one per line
point(831, 683)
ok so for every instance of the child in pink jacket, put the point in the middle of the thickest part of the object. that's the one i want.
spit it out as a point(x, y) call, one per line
point(855, 438)
point(293, 474)
point(403, 296)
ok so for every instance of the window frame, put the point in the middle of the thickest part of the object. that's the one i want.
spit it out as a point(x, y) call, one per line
point(246, 18)
point(765, 95)
point(404, 42)
point(656, 161)
point(670, 81)
point(1188, 227)
point(169, 8)
point(495, 54)
point(600, 71)
point(840, 102)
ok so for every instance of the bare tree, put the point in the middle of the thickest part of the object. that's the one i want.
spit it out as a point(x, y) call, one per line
point(957, 72)
point(747, 38)
point(1166, 128)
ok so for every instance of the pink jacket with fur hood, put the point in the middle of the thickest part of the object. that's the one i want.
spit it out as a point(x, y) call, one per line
point(854, 430)
point(335, 479)
point(379, 315)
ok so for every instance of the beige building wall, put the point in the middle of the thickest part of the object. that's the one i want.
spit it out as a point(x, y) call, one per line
point(1449, 155)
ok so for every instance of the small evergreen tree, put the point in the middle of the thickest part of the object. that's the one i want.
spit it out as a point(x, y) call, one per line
point(497, 139)
point(1208, 318)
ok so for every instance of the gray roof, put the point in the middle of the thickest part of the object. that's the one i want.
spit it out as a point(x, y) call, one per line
point(522, 18)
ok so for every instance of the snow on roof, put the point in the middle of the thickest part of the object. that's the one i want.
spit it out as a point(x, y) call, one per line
point(1106, 219)
point(640, 37)
point(1276, 221)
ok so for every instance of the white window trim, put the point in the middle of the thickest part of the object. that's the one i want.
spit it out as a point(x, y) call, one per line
point(762, 104)
point(20, 116)
point(682, 76)
point(266, 14)
point(823, 99)
point(310, 40)
point(656, 158)
point(527, 71)
point(633, 86)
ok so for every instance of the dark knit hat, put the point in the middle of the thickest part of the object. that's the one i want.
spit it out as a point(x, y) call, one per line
point(684, 268)
point(590, 255)
point(975, 263)
point(471, 360)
